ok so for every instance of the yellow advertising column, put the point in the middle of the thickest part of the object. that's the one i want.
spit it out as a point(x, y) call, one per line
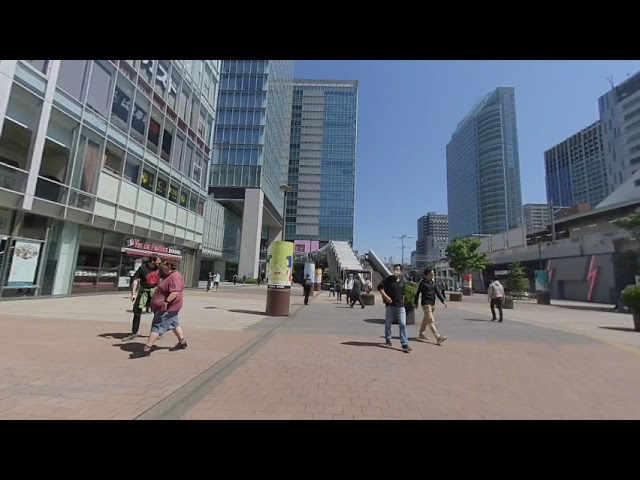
point(317, 285)
point(279, 274)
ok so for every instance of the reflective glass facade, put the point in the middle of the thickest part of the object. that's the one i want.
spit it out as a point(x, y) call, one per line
point(119, 147)
point(248, 152)
point(322, 161)
point(483, 168)
point(576, 169)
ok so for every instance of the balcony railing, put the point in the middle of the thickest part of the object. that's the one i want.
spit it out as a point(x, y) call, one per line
point(12, 178)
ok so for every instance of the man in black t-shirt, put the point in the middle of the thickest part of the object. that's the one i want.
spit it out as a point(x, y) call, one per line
point(145, 280)
point(392, 290)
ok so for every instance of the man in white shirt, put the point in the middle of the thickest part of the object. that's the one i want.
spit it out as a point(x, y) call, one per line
point(496, 298)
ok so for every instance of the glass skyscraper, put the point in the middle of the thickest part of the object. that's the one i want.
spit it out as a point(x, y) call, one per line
point(575, 169)
point(251, 147)
point(483, 168)
point(322, 161)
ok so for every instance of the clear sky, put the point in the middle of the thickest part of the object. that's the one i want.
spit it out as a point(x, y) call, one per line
point(409, 109)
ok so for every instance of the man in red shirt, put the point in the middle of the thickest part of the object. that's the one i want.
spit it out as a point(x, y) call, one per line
point(166, 304)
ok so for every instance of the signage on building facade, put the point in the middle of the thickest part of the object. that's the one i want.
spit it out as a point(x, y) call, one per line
point(162, 76)
point(151, 248)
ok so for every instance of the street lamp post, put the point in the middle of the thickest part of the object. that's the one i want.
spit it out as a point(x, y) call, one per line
point(402, 237)
point(285, 189)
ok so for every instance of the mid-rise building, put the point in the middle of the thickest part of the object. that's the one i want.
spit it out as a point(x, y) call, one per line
point(251, 153)
point(576, 170)
point(433, 238)
point(536, 217)
point(102, 163)
point(620, 117)
point(322, 162)
point(483, 168)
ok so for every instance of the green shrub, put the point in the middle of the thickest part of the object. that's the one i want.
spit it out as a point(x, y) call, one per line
point(631, 297)
point(410, 293)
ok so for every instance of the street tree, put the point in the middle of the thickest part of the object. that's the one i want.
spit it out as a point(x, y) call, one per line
point(464, 256)
point(518, 277)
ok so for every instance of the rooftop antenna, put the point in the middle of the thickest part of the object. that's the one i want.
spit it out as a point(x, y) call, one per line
point(610, 79)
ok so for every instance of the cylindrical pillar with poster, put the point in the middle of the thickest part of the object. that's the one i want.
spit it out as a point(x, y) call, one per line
point(467, 284)
point(279, 274)
point(317, 285)
point(309, 269)
point(543, 288)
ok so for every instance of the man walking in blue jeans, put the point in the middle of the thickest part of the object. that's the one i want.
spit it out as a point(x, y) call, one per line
point(392, 290)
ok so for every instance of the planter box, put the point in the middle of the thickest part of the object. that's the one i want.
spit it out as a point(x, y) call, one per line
point(543, 298)
point(455, 296)
point(411, 315)
point(368, 299)
point(508, 303)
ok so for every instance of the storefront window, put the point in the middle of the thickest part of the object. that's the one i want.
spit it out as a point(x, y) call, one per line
point(21, 257)
point(110, 265)
point(88, 261)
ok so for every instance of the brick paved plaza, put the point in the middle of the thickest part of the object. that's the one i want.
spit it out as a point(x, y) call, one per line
point(64, 360)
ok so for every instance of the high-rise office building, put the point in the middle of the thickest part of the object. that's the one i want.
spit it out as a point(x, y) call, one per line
point(251, 152)
point(483, 168)
point(433, 238)
point(536, 217)
point(102, 163)
point(322, 161)
point(576, 170)
point(620, 117)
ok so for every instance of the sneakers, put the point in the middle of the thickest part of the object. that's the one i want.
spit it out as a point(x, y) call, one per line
point(422, 336)
point(387, 343)
point(133, 336)
point(406, 348)
point(441, 339)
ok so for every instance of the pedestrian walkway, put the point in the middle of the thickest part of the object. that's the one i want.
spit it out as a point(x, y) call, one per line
point(611, 327)
point(325, 361)
point(328, 363)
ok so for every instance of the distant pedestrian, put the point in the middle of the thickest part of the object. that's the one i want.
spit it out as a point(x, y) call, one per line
point(392, 290)
point(356, 292)
point(308, 285)
point(429, 291)
point(339, 290)
point(348, 286)
point(166, 304)
point(496, 298)
point(235, 278)
point(216, 281)
point(209, 281)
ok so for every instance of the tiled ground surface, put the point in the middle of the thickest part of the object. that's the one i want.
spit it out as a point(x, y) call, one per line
point(327, 364)
point(324, 362)
point(64, 369)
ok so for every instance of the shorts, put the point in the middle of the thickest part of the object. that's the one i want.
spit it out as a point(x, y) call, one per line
point(164, 321)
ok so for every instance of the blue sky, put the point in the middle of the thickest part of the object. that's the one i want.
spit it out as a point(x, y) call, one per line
point(409, 109)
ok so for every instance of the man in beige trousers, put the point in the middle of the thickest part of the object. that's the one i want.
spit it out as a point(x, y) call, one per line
point(429, 291)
